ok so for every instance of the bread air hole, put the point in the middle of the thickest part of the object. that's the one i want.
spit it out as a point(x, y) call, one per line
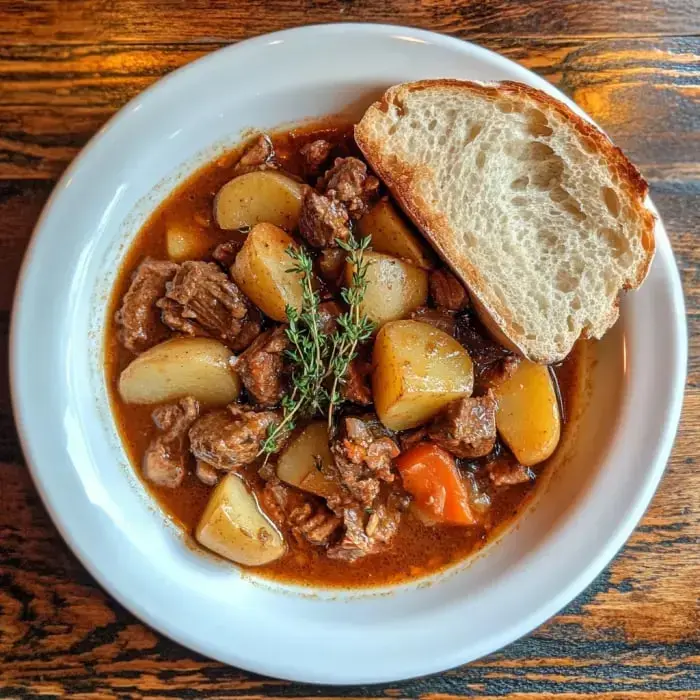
point(473, 133)
point(480, 160)
point(538, 125)
point(567, 203)
point(520, 183)
point(611, 201)
point(565, 282)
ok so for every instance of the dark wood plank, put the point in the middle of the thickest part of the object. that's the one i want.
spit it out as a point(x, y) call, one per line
point(88, 21)
point(56, 97)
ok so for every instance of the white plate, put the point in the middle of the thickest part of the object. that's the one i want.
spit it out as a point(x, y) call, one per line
point(80, 468)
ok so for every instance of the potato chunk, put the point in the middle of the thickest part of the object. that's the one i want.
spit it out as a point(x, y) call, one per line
point(185, 242)
point(307, 459)
point(391, 234)
point(417, 371)
point(259, 197)
point(394, 288)
point(261, 270)
point(234, 526)
point(197, 367)
point(527, 417)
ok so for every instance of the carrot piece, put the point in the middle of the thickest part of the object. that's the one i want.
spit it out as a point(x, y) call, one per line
point(430, 475)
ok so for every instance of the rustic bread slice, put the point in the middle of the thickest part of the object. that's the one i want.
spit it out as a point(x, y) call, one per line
point(533, 208)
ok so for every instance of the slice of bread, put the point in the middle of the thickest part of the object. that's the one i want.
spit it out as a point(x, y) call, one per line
point(533, 208)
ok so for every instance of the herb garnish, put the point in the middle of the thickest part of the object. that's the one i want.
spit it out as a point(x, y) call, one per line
point(320, 361)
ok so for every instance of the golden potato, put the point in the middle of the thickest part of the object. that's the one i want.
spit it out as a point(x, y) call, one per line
point(261, 270)
point(391, 234)
point(234, 526)
point(306, 458)
point(263, 196)
point(527, 417)
point(198, 367)
point(394, 287)
point(185, 242)
point(417, 371)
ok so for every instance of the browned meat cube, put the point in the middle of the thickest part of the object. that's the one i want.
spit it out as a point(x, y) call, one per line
point(369, 530)
point(467, 427)
point(201, 300)
point(314, 155)
point(262, 369)
point(259, 155)
point(356, 386)
point(447, 291)
point(497, 372)
point(323, 220)
point(225, 253)
point(331, 266)
point(138, 316)
point(166, 457)
point(361, 459)
point(349, 183)
point(206, 473)
point(231, 437)
point(315, 523)
point(507, 472)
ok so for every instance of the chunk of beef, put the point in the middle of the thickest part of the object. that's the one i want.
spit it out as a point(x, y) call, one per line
point(331, 266)
point(138, 317)
point(225, 253)
point(507, 472)
point(250, 330)
point(166, 457)
point(307, 516)
point(262, 369)
point(206, 473)
point(483, 350)
point(231, 437)
point(467, 427)
point(349, 183)
point(314, 155)
point(315, 523)
point(369, 530)
point(497, 372)
point(202, 301)
point(356, 386)
point(274, 500)
point(328, 312)
point(323, 220)
point(259, 155)
point(442, 319)
point(411, 438)
point(447, 291)
point(361, 459)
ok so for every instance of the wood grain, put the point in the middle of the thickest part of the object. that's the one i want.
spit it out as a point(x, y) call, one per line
point(66, 67)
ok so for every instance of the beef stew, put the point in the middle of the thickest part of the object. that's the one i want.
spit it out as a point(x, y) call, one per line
point(301, 384)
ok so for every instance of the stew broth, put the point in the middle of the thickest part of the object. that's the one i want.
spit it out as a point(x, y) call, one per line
point(418, 548)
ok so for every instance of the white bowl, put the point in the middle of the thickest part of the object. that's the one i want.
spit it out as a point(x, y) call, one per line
point(590, 507)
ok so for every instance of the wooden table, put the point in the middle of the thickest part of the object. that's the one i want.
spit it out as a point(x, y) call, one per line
point(67, 65)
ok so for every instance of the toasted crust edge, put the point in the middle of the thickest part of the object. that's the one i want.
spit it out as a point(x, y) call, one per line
point(495, 316)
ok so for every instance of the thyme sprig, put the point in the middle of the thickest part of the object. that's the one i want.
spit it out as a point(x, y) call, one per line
point(354, 328)
point(320, 360)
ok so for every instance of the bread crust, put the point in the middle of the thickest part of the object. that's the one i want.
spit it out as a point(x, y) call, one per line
point(401, 182)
